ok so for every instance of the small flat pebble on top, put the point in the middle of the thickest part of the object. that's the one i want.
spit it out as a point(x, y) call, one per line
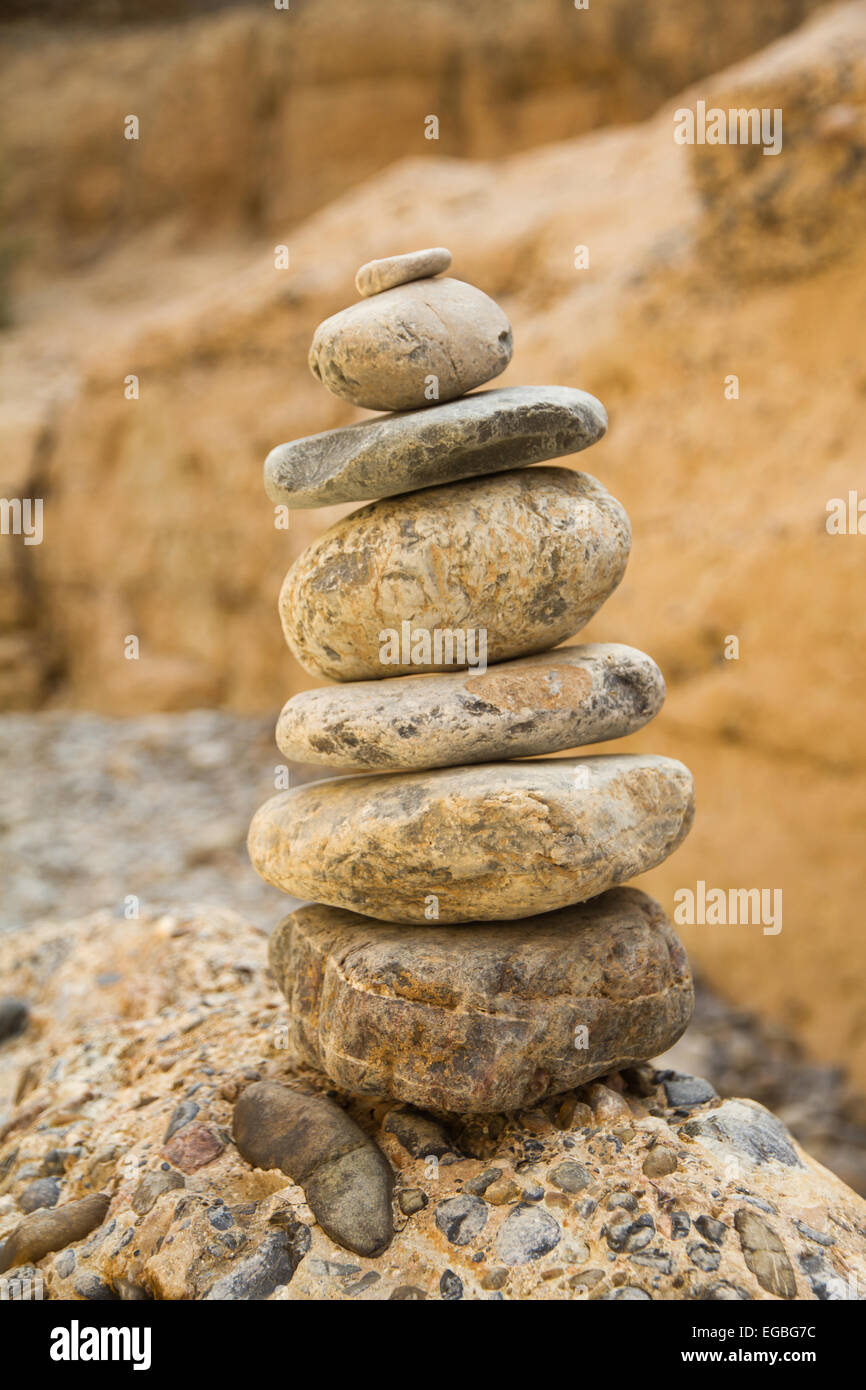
point(376, 276)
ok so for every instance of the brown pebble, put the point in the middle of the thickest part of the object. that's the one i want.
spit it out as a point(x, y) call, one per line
point(659, 1162)
point(193, 1147)
point(494, 1278)
point(52, 1229)
point(346, 1178)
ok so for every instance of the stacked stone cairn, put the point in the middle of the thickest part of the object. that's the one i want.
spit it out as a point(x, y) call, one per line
point(468, 947)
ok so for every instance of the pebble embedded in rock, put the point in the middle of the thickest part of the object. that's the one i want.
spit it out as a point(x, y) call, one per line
point(181, 1115)
point(570, 1176)
point(506, 566)
point(14, 1015)
point(257, 1276)
point(491, 431)
point(413, 345)
point(526, 1234)
point(462, 1218)
point(539, 704)
point(482, 1018)
point(43, 1192)
point(496, 841)
point(383, 274)
point(660, 1162)
point(687, 1092)
point(346, 1179)
point(152, 1186)
point(743, 1129)
point(765, 1254)
point(419, 1135)
point(193, 1147)
point(52, 1229)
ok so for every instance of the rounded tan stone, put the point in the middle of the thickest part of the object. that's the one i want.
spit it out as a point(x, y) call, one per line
point(485, 1017)
point(375, 276)
point(414, 345)
point(501, 840)
point(540, 704)
point(519, 560)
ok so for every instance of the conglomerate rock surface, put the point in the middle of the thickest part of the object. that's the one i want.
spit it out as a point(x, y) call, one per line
point(142, 1037)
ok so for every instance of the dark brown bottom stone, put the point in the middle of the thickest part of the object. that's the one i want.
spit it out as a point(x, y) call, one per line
point(486, 1016)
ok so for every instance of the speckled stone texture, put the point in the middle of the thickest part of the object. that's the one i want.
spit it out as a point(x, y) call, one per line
point(381, 352)
point(488, 432)
point(375, 276)
point(483, 1017)
point(501, 840)
point(527, 556)
point(608, 1192)
point(539, 704)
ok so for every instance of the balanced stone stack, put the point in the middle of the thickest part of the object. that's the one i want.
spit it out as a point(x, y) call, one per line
point(469, 947)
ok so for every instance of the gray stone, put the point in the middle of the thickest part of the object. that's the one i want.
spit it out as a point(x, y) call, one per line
point(421, 342)
point(745, 1130)
point(626, 1294)
point(375, 276)
point(570, 1176)
point(272, 1266)
point(526, 1234)
point(346, 1179)
point(478, 1186)
point(482, 1018)
point(14, 1014)
point(450, 1286)
point(488, 432)
point(498, 841)
point(461, 1219)
point(687, 1092)
point(413, 584)
point(44, 1192)
point(765, 1254)
point(517, 709)
point(94, 1289)
point(180, 1116)
point(151, 1187)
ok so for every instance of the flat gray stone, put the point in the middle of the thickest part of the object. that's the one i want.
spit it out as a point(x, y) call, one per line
point(744, 1130)
point(501, 840)
point(420, 343)
point(375, 276)
point(488, 432)
point(518, 562)
point(517, 709)
point(490, 1016)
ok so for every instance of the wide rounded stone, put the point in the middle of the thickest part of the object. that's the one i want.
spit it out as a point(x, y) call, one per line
point(501, 840)
point(427, 341)
point(488, 432)
point(485, 1017)
point(375, 276)
point(524, 559)
point(539, 704)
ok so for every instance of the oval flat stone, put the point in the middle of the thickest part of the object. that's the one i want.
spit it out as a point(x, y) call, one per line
point(375, 276)
point(381, 353)
point(474, 843)
point(488, 432)
point(486, 1017)
point(540, 704)
point(524, 557)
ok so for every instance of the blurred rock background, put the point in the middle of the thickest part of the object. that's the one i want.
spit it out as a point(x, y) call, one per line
point(305, 127)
